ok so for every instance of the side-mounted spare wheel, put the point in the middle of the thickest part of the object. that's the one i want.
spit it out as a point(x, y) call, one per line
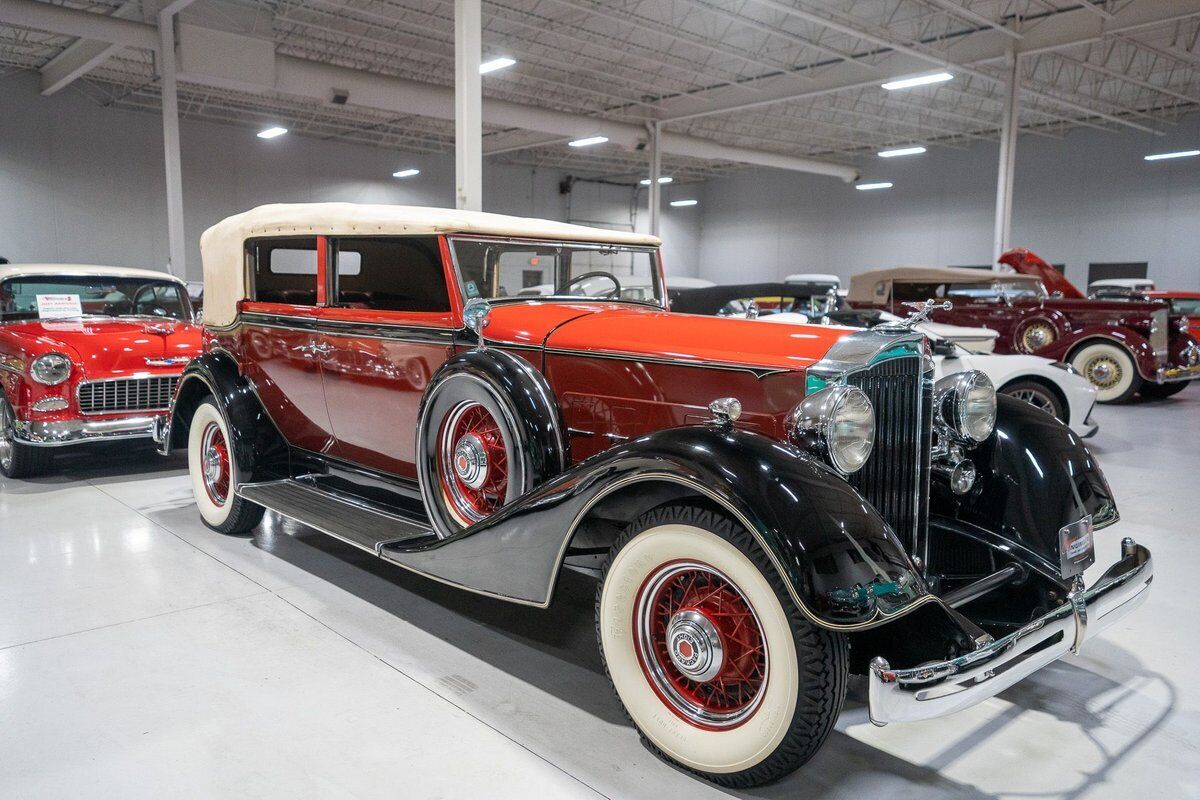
point(213, 472)
point(717, 668)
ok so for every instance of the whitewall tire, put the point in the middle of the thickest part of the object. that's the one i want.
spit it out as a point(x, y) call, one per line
point(714, 664)
point(1110, 368)
point(213, 472)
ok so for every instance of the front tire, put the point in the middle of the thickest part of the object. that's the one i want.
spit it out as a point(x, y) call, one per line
point(213, 472)
point(1110, 368)
point(19, 460)
point(716, 666)
point(1161, 391)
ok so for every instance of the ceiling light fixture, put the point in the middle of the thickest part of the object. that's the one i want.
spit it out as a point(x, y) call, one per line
point(271, 133)
point(406, 173)
point(901, 151)
point(1178, 154)
point(495, 64)
point(683, 203)
point(588, 141)
point(919, 80)
point(867, 187)
point(662, 179)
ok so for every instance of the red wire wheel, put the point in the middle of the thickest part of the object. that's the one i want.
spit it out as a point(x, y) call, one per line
point(700, 645)
point(214, 454)
point(473, 463)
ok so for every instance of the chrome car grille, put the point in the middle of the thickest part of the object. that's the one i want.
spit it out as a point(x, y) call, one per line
point(1159, 334)
point(127, 394)
point(895, 479)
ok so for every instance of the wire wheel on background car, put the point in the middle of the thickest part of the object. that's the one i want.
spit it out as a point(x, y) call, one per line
point(213, 472)
point(1037, 335)
point(716, 666)
point(1109, 368)
point(19, 460)
point(1038, 395)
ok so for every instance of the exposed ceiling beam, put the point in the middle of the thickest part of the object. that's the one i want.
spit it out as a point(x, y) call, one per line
point(962, 12)
point(82, 55)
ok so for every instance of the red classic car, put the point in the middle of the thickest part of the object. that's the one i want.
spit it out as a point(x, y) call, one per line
point(87, 353)
point(1182, 304)
point(1121, 346)
point(766, 508)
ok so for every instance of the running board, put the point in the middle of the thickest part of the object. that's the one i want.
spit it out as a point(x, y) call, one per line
point(351, 520)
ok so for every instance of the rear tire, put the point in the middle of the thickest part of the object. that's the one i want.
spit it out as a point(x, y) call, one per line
point(1110, 368)
point(1038, 395)
point(1161, 391)
point(213, 471)
point(19, 460)
point(743, 715)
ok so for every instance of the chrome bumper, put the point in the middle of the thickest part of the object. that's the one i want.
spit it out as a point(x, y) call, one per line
point(1175, 374)
point(937, 689)
point(78, 431)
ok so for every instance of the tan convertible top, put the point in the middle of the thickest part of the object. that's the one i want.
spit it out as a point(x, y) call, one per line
point(875, 287)
point(222, 245)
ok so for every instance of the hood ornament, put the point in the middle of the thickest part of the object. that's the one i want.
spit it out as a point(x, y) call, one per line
point(921, 312)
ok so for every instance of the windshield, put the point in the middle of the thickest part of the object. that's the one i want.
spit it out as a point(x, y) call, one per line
point(493, 270)
point(70, 296)
point(1186, 305)
point(1012, 289)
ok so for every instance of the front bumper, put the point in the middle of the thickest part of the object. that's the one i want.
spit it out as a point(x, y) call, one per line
point(940, 688)
point(1176, 374)
point(61, 433)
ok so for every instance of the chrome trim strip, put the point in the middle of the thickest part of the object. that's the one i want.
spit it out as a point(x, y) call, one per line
point(758, 372)
point(369, 330)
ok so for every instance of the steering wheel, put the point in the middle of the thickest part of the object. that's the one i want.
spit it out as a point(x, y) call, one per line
point(154, 308)
point(613, 294)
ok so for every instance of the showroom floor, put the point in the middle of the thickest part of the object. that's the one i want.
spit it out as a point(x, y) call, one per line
point(142, 655)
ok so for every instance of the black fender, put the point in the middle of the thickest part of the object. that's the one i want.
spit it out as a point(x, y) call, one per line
point(257, 447)
point(1034, 476)
point(843, 565)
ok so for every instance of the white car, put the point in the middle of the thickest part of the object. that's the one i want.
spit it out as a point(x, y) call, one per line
point(1052, 386)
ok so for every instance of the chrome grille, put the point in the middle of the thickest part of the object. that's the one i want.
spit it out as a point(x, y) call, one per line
point(1159, 334)
point(895, 479)
point(127, 394)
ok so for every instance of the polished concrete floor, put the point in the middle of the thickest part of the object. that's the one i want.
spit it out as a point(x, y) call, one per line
point(142, 655)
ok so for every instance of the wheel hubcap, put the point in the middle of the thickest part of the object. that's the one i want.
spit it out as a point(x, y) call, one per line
point(1037, 336)
point(473, 463)
point(214, 464)
point(1103, 372)
point(700, 645)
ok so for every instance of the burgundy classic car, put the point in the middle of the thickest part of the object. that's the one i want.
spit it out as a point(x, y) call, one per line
point(766, 508)
point(1121, 346)
point(87, 353)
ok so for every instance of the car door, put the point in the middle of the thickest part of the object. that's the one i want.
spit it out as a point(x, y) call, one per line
point(281, 346)
point(388, 327)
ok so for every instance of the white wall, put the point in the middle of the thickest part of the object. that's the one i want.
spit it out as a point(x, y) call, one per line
point(82, 183)
point(1088, 197)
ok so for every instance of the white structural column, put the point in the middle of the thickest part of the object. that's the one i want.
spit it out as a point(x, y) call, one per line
point(176, 247)
point(468, 105)
point(655, 192)
point(1008, 156)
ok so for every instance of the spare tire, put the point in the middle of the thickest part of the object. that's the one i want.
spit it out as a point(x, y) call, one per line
point(488, 431)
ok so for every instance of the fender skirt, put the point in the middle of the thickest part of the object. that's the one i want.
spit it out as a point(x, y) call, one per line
point(840, 561)
point(1034, 476)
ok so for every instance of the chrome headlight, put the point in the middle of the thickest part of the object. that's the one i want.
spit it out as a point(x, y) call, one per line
point(965, 403)
point(50, 369)
point(836, 423)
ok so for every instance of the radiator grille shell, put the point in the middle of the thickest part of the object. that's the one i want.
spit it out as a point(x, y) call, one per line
point(153, 393)
point(1159, 335)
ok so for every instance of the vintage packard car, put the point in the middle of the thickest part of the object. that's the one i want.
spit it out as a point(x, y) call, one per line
point(1121, 346)
point(87, 353)
point(767, 508)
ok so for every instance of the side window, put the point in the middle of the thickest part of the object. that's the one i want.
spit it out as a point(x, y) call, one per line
point(395, 273)
point(920, 292)
point(285, 270)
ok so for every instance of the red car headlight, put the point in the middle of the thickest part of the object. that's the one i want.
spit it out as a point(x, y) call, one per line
point(50, 369)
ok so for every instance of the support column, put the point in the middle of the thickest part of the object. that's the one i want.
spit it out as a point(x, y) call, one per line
point(176, 246)
point(1008, 156)
point(468, 105)
point(655, 193)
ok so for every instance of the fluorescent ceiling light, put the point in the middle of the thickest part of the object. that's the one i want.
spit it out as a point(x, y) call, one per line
point(920, 80)
point(590, 140)
point(867, 187)
point(406, 173)
point(901, 151)
point(661, 179)
point(271, 133)
point(1179, 154)
point(495, 64)
point(682, 203)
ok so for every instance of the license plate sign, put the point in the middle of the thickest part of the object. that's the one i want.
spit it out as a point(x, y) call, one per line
point(1076, 550)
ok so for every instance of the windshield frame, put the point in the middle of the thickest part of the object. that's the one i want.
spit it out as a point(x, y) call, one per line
point(654, 251)
point(180, 287)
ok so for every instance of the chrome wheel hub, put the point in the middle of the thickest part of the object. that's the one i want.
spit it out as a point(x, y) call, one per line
point(470, 461)
point(1103, 372)
point(694, 645)
point(6, 436)
point(212, 465)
